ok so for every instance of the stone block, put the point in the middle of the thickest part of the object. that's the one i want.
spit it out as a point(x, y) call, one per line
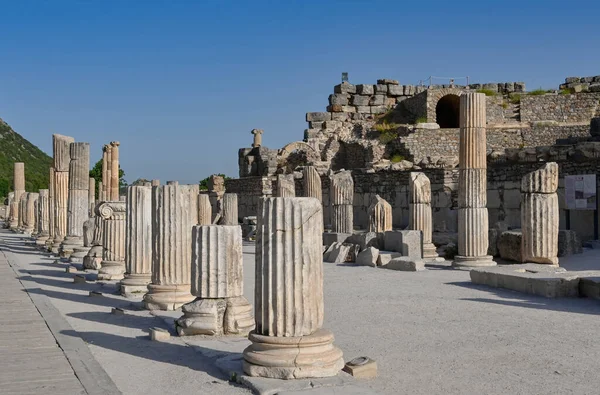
point(377, 100)
point(332, 124)
point(570, 80)
point(359, 100)
point(363, 109)
point(365, 240)
point(378, 109)
point(569, 243)
point(71, 269)
point(159, 334)
point(395, 90)
point(339, 98)
point(365, 89)
point(349, 109)
point(368, 257)
point(334, 237)
point(509, 245)
point(407, 242)
point(594, 87)
point(409, 90)
point(316, 125)
point(387, 81)
point(493, 242)
point(590, 287)
point(406, 264)
point(361, 368)
point(344, 87)
point(381, 89)
point(318, 116)
point(335, 108)
point(386, 256)
point(512, 198)
point(337, 253)
point(341, 116)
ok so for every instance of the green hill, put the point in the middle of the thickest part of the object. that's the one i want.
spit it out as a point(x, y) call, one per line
point(14, 148)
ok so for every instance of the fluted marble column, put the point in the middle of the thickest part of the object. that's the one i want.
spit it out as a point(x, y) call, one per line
point(11, 198)
point(472, 184)
point(19, 189)
point(51, 209)
point(286, 186)
point(312, 183)
point(102, 194)
point(29, 218)
point(138, 241)
point(174, 212)
point(44, 218)
point(419, 211)
point(204, 210)
point(288, 341)
point(91, 196)
point(93, 259)
point(113, 240)
point(114, 171)
point(22, 211)
point(539, 215)
point(217, 282)
point(62, 158)
point(230, 209)
point(78, 202)
point(341, 196)
point(380, 215)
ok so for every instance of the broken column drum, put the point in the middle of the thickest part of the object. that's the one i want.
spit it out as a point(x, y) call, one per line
point(286, 186)
point(43, 218)
point(230, 209)
point(93, 259)
point(288, 341)
point(113, 240)
point(62, 159)
point(22, 211)
point(174, 212)
point(257, 142)
point(19, 189)
point(51, 209)
point(419, 211)
point(341, 196)
point(138, 241)
point(103, 195)
point(114, 171)
point(217, 282)
point(472, 184)
point(78, 202)
point(29, 218)
point(380, 215)
point(312, 183)
point(540, 215)
point(204, 210)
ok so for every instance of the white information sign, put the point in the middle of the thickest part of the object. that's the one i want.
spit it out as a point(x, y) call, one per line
point(580, 192)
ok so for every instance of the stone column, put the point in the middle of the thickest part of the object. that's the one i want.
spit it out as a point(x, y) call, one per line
point(114, 171)
point(539, 215)
point(380, 215)
point(113, 240)
point(91, 196)
point(312, 183)
point(174, 212)
point(62, 158)
point(22, 211)
point(107, 184)
point(29, 218)
point(93, 259)
point(257, 138)
point(218, 284)
point(78, 202)
point(138, 241)
point(44, 218)
point(341, 196)
point(230, 209)
point(419, 211)
point(472, 184)
point(204, 210)
point(286, 187)
point(102, 191)
point(11, 198)
point(19, 189)
point(51, 209)
point(288, 342)
point(216, 189)
point(100, 196)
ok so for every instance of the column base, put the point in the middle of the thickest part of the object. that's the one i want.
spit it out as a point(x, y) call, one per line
point(135, 285)
point(79, 253)
point(93, 259)
point(111, 270)
point(429, 251)
point(67, 247)
point(216, 317)
point(167, 297)
point(473, 261)
point(41, 240)
point(293, 357)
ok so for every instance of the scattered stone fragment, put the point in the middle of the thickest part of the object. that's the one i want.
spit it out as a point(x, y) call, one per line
point(361, 368)
point(117, 311)
point(406, 264)
point(159, 334)
point(95, 293)
point(368, 257)
point(79, 278)
point(71, 269)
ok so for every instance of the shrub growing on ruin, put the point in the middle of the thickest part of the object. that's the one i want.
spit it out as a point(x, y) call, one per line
point(487, 92)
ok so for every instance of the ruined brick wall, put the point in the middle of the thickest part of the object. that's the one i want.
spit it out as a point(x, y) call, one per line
point(578, 107)
point(249, 190)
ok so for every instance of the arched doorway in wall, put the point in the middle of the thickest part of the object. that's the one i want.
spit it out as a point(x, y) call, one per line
point(447, 110)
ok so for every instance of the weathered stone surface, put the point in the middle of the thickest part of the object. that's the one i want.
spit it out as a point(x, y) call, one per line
point(339, 98)
point(93, 259)
point(19, 189)
point(29, 212)
point(405, 264)
point(395, 90)
point(333, 237)
point(61, 149)
point(286, 187)
point(509, 246)
point(114, 171)
point(365, 89)
point(380, 215)
point(344, 87)
point(368, 257)
point(407, 242)
point(230, 209)
point(569, 243)
point(61, 197)
point(342, 220)
point(366, 239)
point(91, 196)
point(539, 222)
point(312, 183)
point(318, 116)
point(204, 210)
point(359, 100)
point(113, 240)
point(341, 196)
point(544, 180)
point(43, 217)
point(257, 141)
point(174, 207)
point(419, 211)
point(78, 196)
point(337, 253)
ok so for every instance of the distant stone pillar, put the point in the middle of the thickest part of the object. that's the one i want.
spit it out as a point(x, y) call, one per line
point(204, 210)
point(113, 240)
point(62, 159)
point(11, 198)
point(230, 209)
point(19, 189)
point(539, 215)
point(472, 184)
point(380, 215)
point(114, 172)
point(286, 187)
point(288, 342)
point(100, 196)
point(419, 211)
point(29, 219)
point(51, 209)
point(44, 218)
point(93, 259)
point(216, 189)
point(102, 191)
point(341, 196)
point(91, 196)
point(218, 284)
point(312, 183)
point(22, 211)
point(174, 212)
point(107, 184)
point(78, 202)
point(257, 137)
point(138, 241)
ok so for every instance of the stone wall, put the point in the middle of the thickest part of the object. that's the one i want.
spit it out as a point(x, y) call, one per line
point(578, 107)
point(249, 191)
point(579, 84)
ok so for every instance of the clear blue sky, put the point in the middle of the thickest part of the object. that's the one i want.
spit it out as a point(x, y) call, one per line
point(182, 83)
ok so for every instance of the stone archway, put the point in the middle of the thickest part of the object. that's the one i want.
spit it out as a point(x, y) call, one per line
point(296, 154)
point(433, 98)
point(447, 111)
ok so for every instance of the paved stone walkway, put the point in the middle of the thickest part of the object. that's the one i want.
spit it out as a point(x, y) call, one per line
point(32, 362)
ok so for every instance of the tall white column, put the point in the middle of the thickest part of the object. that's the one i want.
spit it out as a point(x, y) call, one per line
point(51, 209)
point(44, 218)
point(78, 202)
point(286, 186)
point(113, 240)
point(19, 189)
point(62, 158)
point(341, 197)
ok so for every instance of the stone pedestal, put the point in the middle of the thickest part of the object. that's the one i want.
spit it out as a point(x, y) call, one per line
point(289, 342)
point(286, 186)
point(138, 241)
point(341, 196)
point(19, 189)
point(419, 211)
point(540, 215)
point(174, 213)
point(217, 282)
point(113, 240)
point(93, 259)
point(472, 186)
point(380, 215)
point(204, 210)
point(43, 218)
